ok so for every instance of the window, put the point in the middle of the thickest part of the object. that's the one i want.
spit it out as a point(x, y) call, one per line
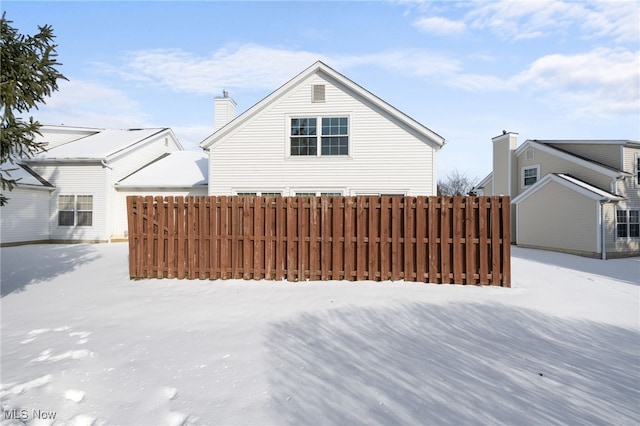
point(638, 169)
point(334, 136)
point(259, 193)
point(530, 175)
point(628, 223)
point(304, 140)
point(315, 194)
point(75, 210)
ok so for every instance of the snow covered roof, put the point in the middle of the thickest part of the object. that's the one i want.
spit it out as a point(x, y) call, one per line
point(93, 144)
point(180, 169)
point(24, 175)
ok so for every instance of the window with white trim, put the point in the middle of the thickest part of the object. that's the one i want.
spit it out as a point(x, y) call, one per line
point(627, 223)
point(75, 210)
point(637, 169)
point(258, 193)
point(332, 135)
point(318, 194)
point(530, 175)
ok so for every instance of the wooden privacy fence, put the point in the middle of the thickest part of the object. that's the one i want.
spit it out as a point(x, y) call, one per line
point(462, 240)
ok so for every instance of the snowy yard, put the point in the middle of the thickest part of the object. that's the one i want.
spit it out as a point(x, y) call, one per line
point(84, 344)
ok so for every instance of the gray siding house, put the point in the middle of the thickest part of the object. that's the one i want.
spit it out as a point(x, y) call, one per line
point(575, 196)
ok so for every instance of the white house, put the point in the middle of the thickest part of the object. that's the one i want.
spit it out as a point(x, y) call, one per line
point(68, 192)
point(320, 134)
point(575, 196)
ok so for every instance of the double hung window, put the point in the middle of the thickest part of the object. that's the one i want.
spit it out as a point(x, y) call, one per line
point(332, 135)
point(75, 210)
point(530, 175)
point(627, 223)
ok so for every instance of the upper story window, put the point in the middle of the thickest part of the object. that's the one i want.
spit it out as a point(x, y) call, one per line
point(332, 135)
point(637, 169)
point(530, 175)
point(75, 210)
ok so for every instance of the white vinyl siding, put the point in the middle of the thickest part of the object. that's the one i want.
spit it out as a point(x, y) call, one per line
point(78, 179)
point(559, 218)
point(382, 154)
point(26, 216)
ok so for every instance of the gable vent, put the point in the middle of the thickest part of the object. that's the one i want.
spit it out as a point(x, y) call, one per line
point(529, 154)
point(318, 93)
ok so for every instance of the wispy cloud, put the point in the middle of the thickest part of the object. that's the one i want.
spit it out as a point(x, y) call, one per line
point(92, 105)
point(440, 26)
point(257, 67)
point(604, 80)
point(524, 20)
point(601, 80)
point(248, 66)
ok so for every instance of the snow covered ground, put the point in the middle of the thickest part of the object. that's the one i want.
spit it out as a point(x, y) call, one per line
point(83, 345)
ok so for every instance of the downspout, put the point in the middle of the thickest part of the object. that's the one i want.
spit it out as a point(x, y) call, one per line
point(109, 200)
point(603, 230)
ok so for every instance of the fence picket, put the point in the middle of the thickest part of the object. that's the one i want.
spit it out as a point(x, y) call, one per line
point(464, 240)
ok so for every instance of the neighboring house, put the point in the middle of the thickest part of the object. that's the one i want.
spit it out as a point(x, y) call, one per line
point(575, 196)
point(75, 179)
point(320, 134)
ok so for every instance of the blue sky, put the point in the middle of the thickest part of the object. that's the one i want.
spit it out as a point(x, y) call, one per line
point(467, 70)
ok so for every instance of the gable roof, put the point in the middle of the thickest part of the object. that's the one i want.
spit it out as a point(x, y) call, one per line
point(572, 183)
point(565, 155)
point(180, 169)
point(421, 131)
point(624, 142)
point(24, 176)
point(73, 143)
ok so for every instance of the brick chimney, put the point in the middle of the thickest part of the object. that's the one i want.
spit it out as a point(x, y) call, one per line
point(224, 110)
point(505, 176)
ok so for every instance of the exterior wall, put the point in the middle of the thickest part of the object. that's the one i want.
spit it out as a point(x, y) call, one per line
point(120, 222)
point(504, 164)
point(26, 217)
point(77, 179)
point(384, 158)
point(630, 190)
point(558, 218)
point(552, 164)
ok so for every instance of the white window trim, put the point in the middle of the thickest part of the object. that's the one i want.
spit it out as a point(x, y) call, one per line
point(75, 210)
point(258, 193)
point(628, 223)
point(318, 193)
point(318, 118)
point(636, 170)
point(522, 170)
